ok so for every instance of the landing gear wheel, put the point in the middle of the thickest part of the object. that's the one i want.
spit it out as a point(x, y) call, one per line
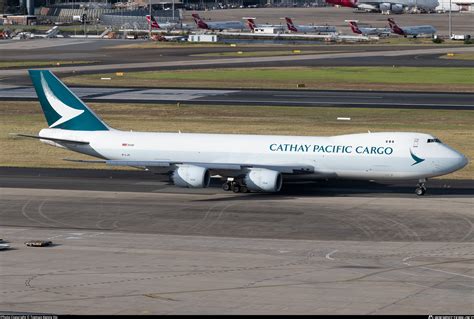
point(236, 188)
point(420, 190)
point(226, 186)
point(244, 189)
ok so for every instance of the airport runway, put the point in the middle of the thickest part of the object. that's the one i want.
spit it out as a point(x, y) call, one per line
point(428, 100)
point(125, 243)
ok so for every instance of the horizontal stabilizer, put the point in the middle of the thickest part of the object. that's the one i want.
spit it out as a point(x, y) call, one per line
point(58, 140)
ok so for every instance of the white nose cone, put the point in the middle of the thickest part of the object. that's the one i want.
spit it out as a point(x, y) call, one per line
point(454, 161)
point(462, 161)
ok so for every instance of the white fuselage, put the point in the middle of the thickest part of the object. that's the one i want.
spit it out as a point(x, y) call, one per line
point(417, 30)
point(374, 31)
point(426, 5)
point(225, 25)
point(315, 28)
point(357, 156)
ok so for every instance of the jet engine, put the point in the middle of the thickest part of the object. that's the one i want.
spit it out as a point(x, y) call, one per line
point(191, 176)
point(397, 8)
point(391, 8)
point(385, 7)
point(263, 180)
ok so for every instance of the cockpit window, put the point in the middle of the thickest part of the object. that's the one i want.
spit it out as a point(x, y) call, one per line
point(434, 140)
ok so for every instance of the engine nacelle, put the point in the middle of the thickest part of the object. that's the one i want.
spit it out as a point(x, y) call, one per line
point(191, 176)
point(385, 7)
point(263, 180)
point(397, 8)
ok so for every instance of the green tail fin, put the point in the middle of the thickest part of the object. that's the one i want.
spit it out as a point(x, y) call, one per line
point(61, 107)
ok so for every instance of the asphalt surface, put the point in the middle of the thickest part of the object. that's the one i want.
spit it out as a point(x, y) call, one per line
point(281, 215)
point(111, 272)
point(126, 243)
point(422, 100)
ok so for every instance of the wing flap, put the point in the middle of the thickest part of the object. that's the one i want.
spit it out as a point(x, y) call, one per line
point(283, 168)
point(288, 168)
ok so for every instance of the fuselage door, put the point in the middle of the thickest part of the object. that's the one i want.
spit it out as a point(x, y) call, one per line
point(415, 142)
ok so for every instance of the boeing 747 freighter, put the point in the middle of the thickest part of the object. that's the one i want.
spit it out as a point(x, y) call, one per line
point(259, 163)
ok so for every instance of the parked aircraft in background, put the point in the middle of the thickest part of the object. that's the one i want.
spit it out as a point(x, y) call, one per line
point(389, 6)
point(154, 24)
point(368, 30)
point(413, 31)
point(309, 28)
point(165, 26)
point(51, 33)
point(252, 24)
point(217, 25)
point(258, 163)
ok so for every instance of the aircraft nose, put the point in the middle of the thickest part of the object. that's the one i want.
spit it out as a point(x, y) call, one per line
point(458, 159)
point(451, 161)
point(462, 160)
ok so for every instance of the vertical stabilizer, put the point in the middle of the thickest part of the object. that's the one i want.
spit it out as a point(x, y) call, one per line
point(61, 107)
point(152, 21)
point(355, 27)
point(290, 25)
point(395, 28)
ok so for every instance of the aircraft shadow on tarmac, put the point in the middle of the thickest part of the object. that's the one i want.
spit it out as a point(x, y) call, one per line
point(140, 181)
point(341, 188)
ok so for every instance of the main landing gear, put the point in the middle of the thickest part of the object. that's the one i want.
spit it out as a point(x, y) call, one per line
point(235, 186)
point(421, 188)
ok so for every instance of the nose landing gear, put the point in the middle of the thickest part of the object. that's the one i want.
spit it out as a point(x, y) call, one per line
point(421, 188)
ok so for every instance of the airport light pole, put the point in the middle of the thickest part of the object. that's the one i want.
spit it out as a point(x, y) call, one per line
point(84, 20)
point(149, 24)
point(173, 11)
point(450, 30)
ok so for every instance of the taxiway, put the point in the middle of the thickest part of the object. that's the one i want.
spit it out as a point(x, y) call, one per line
point(369, 99)
point(125, 243)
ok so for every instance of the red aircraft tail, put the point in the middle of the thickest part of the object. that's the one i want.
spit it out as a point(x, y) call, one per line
point(199, 21)
point(251, 24)
point(151, 20)
point(355, 27)
point(290, 25)
point(395, 28)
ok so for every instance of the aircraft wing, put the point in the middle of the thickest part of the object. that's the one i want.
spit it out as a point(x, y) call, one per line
point(289, 168)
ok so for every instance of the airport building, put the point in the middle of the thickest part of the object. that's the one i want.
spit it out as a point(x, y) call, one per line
point(28, 6)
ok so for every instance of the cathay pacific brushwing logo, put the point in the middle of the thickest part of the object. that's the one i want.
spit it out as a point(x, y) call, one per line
point(65, 111)
point(417, 159)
